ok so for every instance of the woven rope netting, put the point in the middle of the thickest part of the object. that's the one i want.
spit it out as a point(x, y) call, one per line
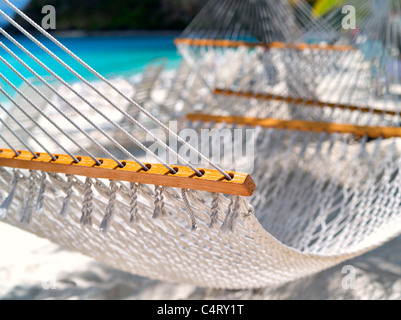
point(358, 85)
point(228, 38)
point(323, 196)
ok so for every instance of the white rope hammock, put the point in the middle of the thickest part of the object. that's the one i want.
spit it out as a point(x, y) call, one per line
point(325, 192)
point(227, 38)
point(358, 85)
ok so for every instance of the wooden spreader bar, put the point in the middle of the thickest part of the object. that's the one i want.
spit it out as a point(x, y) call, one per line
point(273, 45)
point(300, 125)
point(211, 181)
point(304, 102)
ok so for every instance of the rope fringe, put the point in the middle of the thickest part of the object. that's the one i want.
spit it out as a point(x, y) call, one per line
point(87, 207)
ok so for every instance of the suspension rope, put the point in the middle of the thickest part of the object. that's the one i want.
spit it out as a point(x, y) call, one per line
point(141, 109)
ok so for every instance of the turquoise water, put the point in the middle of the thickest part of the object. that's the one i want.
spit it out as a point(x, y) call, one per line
point(111, 56)
point(10, 12)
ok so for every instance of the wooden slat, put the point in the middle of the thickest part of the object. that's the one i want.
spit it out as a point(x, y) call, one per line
point(212, 180)
point(299, 125)
point(273, 45)
point(304, 102)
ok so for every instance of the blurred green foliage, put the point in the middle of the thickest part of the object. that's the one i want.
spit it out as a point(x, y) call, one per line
point(321, 7)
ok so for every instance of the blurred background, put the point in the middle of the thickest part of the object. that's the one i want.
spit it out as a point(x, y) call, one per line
point(117, 38)
point(106, 15)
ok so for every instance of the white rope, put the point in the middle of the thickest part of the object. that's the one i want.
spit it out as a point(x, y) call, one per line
point(86, 219)
point(30, 118)
point(46, 99)
point(161, 125)
point(19, 139)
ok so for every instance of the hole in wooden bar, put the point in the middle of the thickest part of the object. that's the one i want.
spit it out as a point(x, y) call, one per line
point(231, 175)
point(202, 173)
point(123, 164)
point(18, 153)
point(100, 161)
point(79, 159)
point(148, 166)
point(56, 157)
point(176, 170)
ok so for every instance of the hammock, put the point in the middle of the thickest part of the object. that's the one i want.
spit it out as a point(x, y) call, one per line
point(326, 192)
point(358, 86)
point(150, 75)
point(229, 38)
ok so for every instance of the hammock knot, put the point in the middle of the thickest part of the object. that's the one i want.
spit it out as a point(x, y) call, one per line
point(86, 218)
point(7, 201)
point(42, 189)
point(111, 207)
point(232, 214)
point(215, 209)
point(188, 208)
point(67, 199)
point(27, 214)
point(133, 204)
point(159, 203)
